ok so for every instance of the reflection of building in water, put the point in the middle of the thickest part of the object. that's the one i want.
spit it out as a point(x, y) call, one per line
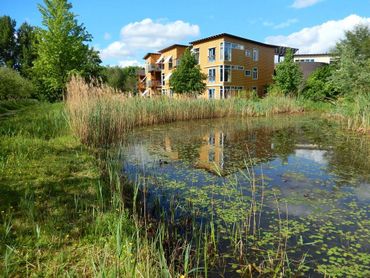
point(211, 154)
point(174, 155)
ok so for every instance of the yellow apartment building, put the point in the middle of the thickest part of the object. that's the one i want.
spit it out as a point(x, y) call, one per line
point(231, 63)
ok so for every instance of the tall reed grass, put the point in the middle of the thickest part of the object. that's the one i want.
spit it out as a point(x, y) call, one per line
point(100, 116)
point(354, 112)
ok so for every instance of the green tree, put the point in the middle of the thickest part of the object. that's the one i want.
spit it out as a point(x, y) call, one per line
point(61, 50)
point(318, 86)
point(352, 75)
point(288, 77)
point(7, 42)
point(27, 52)
point(187, 78)
point(123, 79)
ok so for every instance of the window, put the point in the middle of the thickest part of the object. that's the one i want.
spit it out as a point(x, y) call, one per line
point(255, 74)
point(227, 74)
point(221, 51)
point(237, 46)
point(195, 52)
point(164, 92)
point(162, 79)
point(254, 89)
point(211, 75)
point(171, 92)
point(255, 54)
point(248, 53)
point(170, 63)
point(211, 93)
point(227, 55)
point(240, 67)
point(211, 54)
point(248, 73)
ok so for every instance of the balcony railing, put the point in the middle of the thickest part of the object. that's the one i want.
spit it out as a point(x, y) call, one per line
point(153, 83)
point(211, 58)
point(152, 67)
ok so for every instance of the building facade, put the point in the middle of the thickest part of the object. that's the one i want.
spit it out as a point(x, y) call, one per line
point(232, 64)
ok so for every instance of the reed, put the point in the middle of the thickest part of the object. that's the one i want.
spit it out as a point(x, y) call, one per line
point(354, 112)
point(100, 116)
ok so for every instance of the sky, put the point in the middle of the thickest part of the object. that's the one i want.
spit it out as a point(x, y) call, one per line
point(124, 31)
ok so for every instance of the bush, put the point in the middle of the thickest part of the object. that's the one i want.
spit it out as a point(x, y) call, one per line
point(14, 86)
point(318, 86)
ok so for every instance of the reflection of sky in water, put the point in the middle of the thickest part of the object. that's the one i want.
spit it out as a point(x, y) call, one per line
point(317, 156)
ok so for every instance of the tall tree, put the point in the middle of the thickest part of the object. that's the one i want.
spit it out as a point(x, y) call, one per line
point(288, 76)
point(7, 42)
point(352, 75)
point(188, 78)
point(61, 50)
point(26, 44)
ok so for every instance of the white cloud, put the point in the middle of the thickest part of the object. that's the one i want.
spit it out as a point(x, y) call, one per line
point(128, 63)
point(107, 36)
point(148, 35)
point(300, 4)
point(320, 38)
point(281, 25)
point(286, 23)
point(114, 50)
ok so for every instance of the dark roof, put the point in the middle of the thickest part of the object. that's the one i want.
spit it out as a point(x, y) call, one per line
point(278, 49)
point(312, 55)
point(173, 46)
point(150, 53)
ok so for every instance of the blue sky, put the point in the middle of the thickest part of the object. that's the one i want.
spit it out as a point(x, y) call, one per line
point(124, 31)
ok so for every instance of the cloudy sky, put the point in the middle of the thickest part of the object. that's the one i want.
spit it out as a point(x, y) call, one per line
point(125, 30)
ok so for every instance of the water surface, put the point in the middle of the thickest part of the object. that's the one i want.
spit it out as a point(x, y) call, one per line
point(308, 177)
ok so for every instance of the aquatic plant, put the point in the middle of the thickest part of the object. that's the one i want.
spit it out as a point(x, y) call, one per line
point(99, 116)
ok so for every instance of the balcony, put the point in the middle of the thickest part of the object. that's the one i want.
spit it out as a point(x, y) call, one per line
point(152, 67)
point(153, 84)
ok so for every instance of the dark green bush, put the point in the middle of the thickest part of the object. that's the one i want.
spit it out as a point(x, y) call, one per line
point(13, 85)
point(318, 86)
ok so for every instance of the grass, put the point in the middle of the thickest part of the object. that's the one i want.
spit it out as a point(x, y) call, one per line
point(58, 214)
point(354, 112)
point(99, 116)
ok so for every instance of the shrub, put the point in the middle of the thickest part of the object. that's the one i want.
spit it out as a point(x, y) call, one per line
point(318, 86)
point(14, 86)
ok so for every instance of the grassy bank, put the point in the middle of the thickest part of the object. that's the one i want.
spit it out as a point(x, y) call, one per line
point(59, 216)
point(99, 116)
point(354, 112)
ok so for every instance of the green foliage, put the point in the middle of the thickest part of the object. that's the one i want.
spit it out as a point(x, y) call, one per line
point(27, 53)
point(61, 50)
point(288, 76)
point(353, 68)
point(14, 86)
point(318, 86)
point(123, 79)
point(187, 78)
point(7, 42)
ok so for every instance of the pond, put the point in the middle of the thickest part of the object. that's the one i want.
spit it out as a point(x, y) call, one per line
point(285, 191)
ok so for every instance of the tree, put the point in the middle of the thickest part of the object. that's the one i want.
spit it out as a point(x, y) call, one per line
point(352, 75)
point(318, 86)
point(288, 76)
point(61, 50)
point(26, 45)
point(187, 78)
point(115, 77)
point(7, 42)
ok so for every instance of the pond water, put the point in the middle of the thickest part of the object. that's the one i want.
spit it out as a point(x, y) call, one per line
point(292, 185)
